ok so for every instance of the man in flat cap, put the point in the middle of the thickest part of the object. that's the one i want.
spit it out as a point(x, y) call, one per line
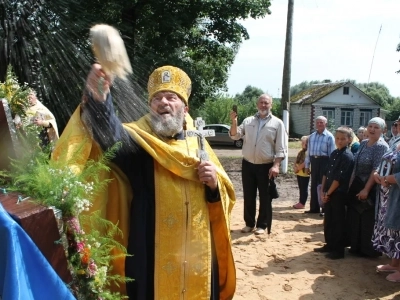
point(173, 208)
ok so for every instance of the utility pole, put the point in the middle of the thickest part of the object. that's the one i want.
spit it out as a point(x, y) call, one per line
point(287, 66)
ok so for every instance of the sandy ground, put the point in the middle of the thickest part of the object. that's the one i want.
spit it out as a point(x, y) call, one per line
point(283, 264)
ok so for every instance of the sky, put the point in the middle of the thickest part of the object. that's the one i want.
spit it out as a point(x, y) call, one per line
point(331, 40)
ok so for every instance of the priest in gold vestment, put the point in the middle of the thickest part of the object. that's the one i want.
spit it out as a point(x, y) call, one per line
point(41, 116)
point(173, 208)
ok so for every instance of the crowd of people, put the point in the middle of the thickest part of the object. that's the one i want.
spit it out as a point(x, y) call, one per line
point(355, 185)
point(354, 182)
point(180, 246)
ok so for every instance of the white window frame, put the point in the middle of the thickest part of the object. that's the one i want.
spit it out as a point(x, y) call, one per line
point(365, 115)
point(329, 114)
point(346, 117)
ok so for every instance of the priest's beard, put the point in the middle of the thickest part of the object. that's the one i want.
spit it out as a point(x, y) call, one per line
point(170, 126)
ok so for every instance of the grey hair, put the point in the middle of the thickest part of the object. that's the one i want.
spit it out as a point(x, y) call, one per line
point(264, 96)
point(379, 121)
point(322, 118)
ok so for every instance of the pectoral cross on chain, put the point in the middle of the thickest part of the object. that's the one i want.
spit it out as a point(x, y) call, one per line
point(201, 134)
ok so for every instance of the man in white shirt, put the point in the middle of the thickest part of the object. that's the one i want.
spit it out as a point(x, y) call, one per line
point(264, 147)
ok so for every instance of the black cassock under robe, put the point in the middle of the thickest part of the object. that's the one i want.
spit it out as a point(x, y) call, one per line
point(138, 166)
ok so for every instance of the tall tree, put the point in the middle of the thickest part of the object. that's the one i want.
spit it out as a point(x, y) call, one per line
point(217, 108)
point(249, 94)
point(394, 110)
point(199, 36)
point(37, 42)
point(377, 91)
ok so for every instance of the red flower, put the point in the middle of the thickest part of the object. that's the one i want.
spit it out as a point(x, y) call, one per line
point(85, 256)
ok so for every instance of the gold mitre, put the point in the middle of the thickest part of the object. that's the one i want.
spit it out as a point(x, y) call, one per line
point(169, 78)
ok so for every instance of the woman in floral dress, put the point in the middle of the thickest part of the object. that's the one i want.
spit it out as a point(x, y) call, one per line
point(386, 238)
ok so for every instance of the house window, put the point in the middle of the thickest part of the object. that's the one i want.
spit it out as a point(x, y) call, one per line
point(365, 116)
point(346, 118)
point(329, 114)
point(346, 90)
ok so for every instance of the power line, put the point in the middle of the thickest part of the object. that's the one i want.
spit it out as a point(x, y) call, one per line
point(373, 56)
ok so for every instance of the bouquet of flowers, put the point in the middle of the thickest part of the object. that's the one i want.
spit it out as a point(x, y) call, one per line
point(55, 184)
point(16, 94)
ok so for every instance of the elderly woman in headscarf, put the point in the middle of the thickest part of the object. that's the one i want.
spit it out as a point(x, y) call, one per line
point(394, 131)
point(361, 197)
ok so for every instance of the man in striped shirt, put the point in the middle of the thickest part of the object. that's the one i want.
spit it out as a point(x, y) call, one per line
point(321, 144)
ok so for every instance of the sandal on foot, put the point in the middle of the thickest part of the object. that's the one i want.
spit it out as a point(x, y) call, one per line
point(386, 269)
point(298, 206)
point(394, 277)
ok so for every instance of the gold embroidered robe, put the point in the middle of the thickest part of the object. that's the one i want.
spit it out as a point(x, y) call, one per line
point(184, 218)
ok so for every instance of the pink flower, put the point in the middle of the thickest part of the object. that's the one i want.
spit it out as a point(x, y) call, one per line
point(73, 223)
point(80, 246)
point(92, 268)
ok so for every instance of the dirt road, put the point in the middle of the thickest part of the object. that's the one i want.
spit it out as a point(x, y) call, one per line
point(226, 151)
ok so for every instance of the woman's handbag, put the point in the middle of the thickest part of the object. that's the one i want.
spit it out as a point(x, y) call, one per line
point(356, 186)
point(360, 205)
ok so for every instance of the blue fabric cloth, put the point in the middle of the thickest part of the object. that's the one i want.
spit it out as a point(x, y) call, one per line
point(354, 148)
point(392, 219)
point(25, 273)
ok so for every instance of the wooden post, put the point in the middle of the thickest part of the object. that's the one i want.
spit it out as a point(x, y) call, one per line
point(287, 66)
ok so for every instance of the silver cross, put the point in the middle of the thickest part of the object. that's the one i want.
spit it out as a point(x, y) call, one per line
point(201, 134)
